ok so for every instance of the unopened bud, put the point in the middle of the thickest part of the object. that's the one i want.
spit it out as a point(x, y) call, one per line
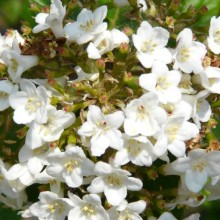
point(34, 7)
point(203, 10)
point(64, 52)
point(72, 4)
point(175, 4)
point(103, 99)
point(192, 11)
point(161, 203)
point(68, 108)
point(128, 31)
point(26, 30)
point(52, 82)
point(100, 64)
point(124, 48)
point(49, 74)
point(170, 22)
point(212, 122)
point(21, 132)
point(46, 10)
point(53, 144)
point(152, 174)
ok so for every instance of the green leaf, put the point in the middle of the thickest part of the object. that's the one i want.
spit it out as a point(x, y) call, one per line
point(213, 9)
point(121, 17)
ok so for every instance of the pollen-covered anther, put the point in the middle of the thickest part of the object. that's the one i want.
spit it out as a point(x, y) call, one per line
point(114, 181)
point(88, 210)
point(70, 165)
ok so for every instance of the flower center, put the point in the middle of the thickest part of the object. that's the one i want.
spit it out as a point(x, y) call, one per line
point(125, 215)
point(102, 45)
point(33, 104)
point(88, 210)
point(162, 83)
point(199, 166)
point(71, 165)
point(172, 132)
point(114, 180)
point(184, 55)
point(87, 26)
point(134, 147)
point(56, 207)
point(148, 46)
point(48, 126)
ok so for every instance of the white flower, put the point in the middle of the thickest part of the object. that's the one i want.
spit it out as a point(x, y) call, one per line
point(119, 37)
point(210, 79)
point(51, 130)
point(6, 41)
point(70, 166)
point(20, 176)
point(106, 42)
point(102, 44)
point(174, 132)
point(138, 150)
point(114, 182)
point(189, 54)
point(182, 108)
point(7, 194)
point(201, 110)
point(51, 206)
point(88, 25)
point(187, 197)
point(214, 35)
point(127, 210)
point(162, 82)
point(150, 44)
point(30, 103)
point(169, 216)
point(53, 21)
point(90, 207)
point(196, 168)
point(17, 63)
point(103, 130)
point(6, 88)
point(144, 116)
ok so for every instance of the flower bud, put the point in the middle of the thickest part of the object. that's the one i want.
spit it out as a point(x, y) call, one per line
point(72, 4)
point(161, 203)
point(152, 174)
point(175, 4)
point(203, 10)
point(26, 30)
point(128, 31)
point(124, 48)
point(100, 64)
point(34, 7)
point(170, 21)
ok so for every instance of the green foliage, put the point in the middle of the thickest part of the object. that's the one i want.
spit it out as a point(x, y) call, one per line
point(212, 6)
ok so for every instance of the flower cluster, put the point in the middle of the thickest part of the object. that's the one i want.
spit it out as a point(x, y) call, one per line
point(103, 117)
